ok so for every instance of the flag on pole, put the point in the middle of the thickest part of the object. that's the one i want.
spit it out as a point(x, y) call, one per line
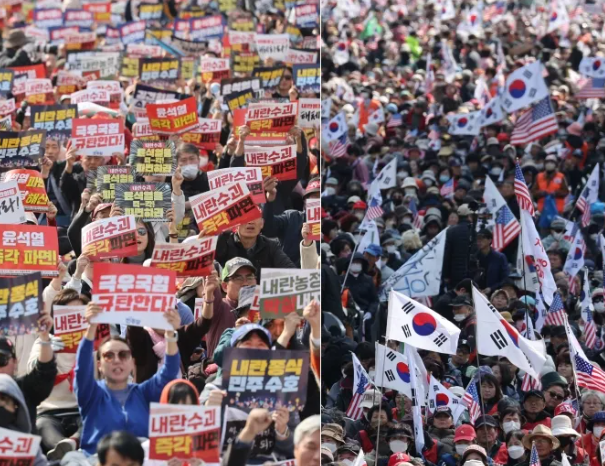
point(534, 459)
point(465, 124)
point(523, 87)
point(590, 195)
point(522, 191)
point(593, 88)
point(506, 229)
point(371, 235)
point(418, 219)
point(447, 190)
point(412, 356)
point(593, 67)
point(338, 147)
point(395, 121)
point(492, 113)
point(558, 17)
point(361, 382)
point(472, 402)
point(374, 207)
point(393, 372)
point(540, 311)
point(377, 116)
point(575, 257)
point(556, 314)
point(361, 459)
point(537, 122)
point(590, 328)
point(335, 128)
point(588, 375)
point(387, 178)
point(440, 397)
point(529, 383)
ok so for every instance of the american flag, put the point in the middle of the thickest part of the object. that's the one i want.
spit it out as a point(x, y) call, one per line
point(590, 331)
point(556, 314)
point(395, 121)
point(521, 191)
point(361, 383)
point(590, 328)
point(418, 219)
point(594, 88)
point(589, 376)
point(583, 206)
point(374, 208)
point(534, 459)
point(447, 190)
point(529, 383)
point(536, 123)
point(472, 402)
point(338, 147)
point(506, 229)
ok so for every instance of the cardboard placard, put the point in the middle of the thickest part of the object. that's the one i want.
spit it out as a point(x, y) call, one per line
point(191, 259)
point(144, 95)
point(159, 69)
point(153, 157)
point(279, 162)
point(22, 149)
point(272, 46)
point(283, 291)
point(110, 237)
point(244, 62)
point(11, 206)
point(7, 106)
point(6, 81)
point(98, 96)
point(147, 201)
point(252, 176)
point(261, 138)
point(81, 18)
point(31, 187)
point(270, 76)
point(28, 248)
point(70, 326)
point(99, 137)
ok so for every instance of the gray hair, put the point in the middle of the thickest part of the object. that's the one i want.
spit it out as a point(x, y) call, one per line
point(589, 393)
point(306, 427)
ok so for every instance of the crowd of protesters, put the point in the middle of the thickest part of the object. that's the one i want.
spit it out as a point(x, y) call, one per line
point(394, 72)
point(93, 406)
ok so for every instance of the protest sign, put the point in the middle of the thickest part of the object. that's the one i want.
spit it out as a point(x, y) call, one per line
point(22, 74)
point(270, 77)
point(306, 16)
point(206, 28)
point(31, 186)
point(147, 201)
point(11, 206)
point(301, 57)
point(215, 69)
point(99, 136)
point(313, 209)
point(130, 67)
point(28, 248)
point(144, 95)
point(279, 161)
point(6, 123)
point(307, 78)
point(56, 120)
point(18, 448)
point(132, 32)
point(110, 175)
point(6, 81)
point(274, 117)
point(244, 62)
point(106, 63)
point(80, 41)
point(151, 11)
point(59, 34)
point(264, 378)
point(110, 237)
point(184, 432)
point(309, 113)
point(81, 18)
point(252, 176)
point(99, 96)
point(45, 18)
point(21, 149)
point(231, 85)
point(261, 138)
point(153, 157)
point(101, 11)
point(224, 208)
point(234, 422)
point(143, 51)
point(68, 83)
point(7, 106)
point(191, 259)
point(70, 326)
point(273, 46)
point(238, 100)
point(142, 130)
point(133, 294)
point(206, 135)
point(159, 69)
point(173, 118)
point(283, 291)
point(20, 304)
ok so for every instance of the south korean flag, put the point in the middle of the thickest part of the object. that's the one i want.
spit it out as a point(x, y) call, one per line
point(465, 124)
point(524, 87)
point(393, 371)
point(593, 67)
point(492, 113)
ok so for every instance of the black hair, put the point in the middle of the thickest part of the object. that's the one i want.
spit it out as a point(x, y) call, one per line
point(124, 443)
point(181, 392)
point(113, 338)
point(189, 148)
point(150, 242)
point(377, 408)
point(518, 434)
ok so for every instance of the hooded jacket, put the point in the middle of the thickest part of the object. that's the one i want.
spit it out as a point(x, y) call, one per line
point(9, 387)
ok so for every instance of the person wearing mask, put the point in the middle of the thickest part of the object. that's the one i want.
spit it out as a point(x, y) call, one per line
point(367, 438)
point(567, 436)
point(464, 437)
point(514, 447)
point(347, 453)
point(510, 419)
point(551, 182)
point(362, 289)
point(332, 437)
point(399, 437)
point(590, 440)
point(120, 448)
point(556, 238)
point(195, 181)
point(494, 265)
point(465, 318)
point(546, 445)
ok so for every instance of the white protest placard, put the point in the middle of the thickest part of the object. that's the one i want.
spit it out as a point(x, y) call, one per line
point(309, 113)
point(38, 86)
point(11, 207)
point(313, 211)
point(17, 447)
point(113, 87)
point(252, 176)
point(190, 259)
point(283, 291)
point(273, 46)
point(90, 95)
point(277, 161)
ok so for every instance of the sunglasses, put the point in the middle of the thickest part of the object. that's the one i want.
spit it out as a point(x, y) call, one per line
point(123, 355)
point(289, 78)
point(142, 231)
point(556, 395)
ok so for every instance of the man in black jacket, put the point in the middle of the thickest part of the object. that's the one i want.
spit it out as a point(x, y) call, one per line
point(362, 289)
point(19, 51)
point(51, 171)
point(493, 264)
point(456, 254)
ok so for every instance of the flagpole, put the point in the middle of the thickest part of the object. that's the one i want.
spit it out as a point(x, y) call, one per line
point(479, 377)
point(575, 377)
point(379, 403)
point(348, 267)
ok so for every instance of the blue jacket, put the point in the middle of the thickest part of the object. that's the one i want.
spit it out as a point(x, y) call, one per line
point(496, 269)
point(102, 413)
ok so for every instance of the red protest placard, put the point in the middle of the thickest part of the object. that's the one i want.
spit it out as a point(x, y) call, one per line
point(252, 176)
point(224, 208)
point(22, 74)
point(28, 248)
point(313, 207)
point(260, 138)
point(207, 134)
point(110, 237)
point(272, 117)
point(70, 326)
point(173, 118)
point(184, 432)
point(31, 185)
point(133, 294)
point(191, 259)
point(18, 448)
point(279, 162)
point(99, 136)
point(101, 11)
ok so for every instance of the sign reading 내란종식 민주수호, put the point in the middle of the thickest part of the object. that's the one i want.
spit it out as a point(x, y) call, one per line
point(224, 208)
point(28, 248)
point(31, 187)
point(110, 237)
point(55, 119)
point(191, 259)
point(313, 211)
point(11, 205)
point(185, 433)
point(22, 149)
point(18, 448)
point(99, 137)
point(133, 294)
point(266, 379)
point(173, 118)
point(278, 162)
point(252, 176)
point(283, 291)
point(307, 78)
point(206, 135)
point(107, 177)
point(272, 117)
point(147, 201)
point(20, 304)
point(309, 113)
point(153, 157)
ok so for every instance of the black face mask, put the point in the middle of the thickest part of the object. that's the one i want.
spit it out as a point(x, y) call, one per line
point(397, 200)
point(565, 441)
point(6, 417)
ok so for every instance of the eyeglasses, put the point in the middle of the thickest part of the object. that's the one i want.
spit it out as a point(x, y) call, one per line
point(123, 355)
point(556, 395)
point(242, 278)
point(142, 231)
point(289, 78)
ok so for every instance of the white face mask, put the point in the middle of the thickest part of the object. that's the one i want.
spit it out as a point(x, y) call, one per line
point(428, 183)
point(516, 451)
point(356, 268)
point(510, 425)
point(330, 191)
point(391, 248)
point(459, 317)
point(597, 431)
point(550, 167)
point(461, 448)
point(557, 236)
point(599, 307)
point(398, 446)
point(330, 446)
point(372, 373)
point(496, 171)
point(189, 171)
point(359, 215)
point(347, 462)
point(410, 192)
point(203, 160)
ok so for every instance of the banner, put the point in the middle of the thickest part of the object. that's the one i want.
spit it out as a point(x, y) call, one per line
point(147, 201)
point(309, 113)
point(224, 208)
point(252, 176)
point(173, 118)
point(31, 186)
point(234, 421)
point(274, 117)
point(110, 237)
point(270, 77)
point(238, 100)
point(18, 448)
point(98, 137)
point(108, 176)
point(101, 11)
point(159, 69)
point(133, 294)
point(313, 210)
point(191, 259)
point(70, 326)
point(21, 149)
point(68, 83)
point(263, 138)
point(272, 46)
point(279, 162)
point(39, 92)
point(264, 378)
point(307, 78)
point(142, 130)
point(283, 291)
point(56, 120)
point(29, 248)
point(144, 95)
point(306, 16)
point(206, 135)
point(6, 81)
point(215, 69)
point(206, 28)
point(20, 304)
point(153, 157)
point(11, 207)
point(184, 432)
point(229, 86)
point(81, 18)
point(302, 57)
point(151, 11)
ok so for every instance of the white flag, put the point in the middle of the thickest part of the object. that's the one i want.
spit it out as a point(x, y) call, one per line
point(559, 18)
point(336, 127)
point(440, 396)
point(415, 324)
point(492, 113)
point(541, 311)
point(482, 92)
point(393, 371)
point(340, 53)
point(575, 257)
point(411, 354)
point(387, 178)
point(492, 197)
point(472, 22)
point(371, 236)
point(523, 87)
point(526, 265)
point(448, 11)
point(377, 116)
point(326, 107)
point(465, 123)
point(361, 459)
point(593, 67)
point(496, 337)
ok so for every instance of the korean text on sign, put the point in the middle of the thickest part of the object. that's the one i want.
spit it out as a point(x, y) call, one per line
point(309, 113)
point(102, 137)
point(224, 208)
point(252, 176)
point(18, 448)
point(133, 294)
point(279, 161)
point(207, 134)
point(28, 248)
point(266, 378)
point(21, 149)
point(147, 201)
point(110, 237)
point(11, 206)
point(69, 325)
point(55, 119)
point(195, 258)
point(283, 291)
point(31, 186)
point(274, 117)
point(153, 157)
point(184, 432)
point(20, 304)
point(313, 210)
point(173, 118)
point(108, 176)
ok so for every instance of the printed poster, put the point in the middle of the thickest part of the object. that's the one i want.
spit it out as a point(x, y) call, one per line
point(313, 210)
point(153, 157)
point(283, 291)
point(11, 206)
point(191, 259)
point(110, 237)
point(98, 137)
point(279, 161)
point(20, 304)
point(22, 149)
point(252, 176)
point(147, 201)
point(31, 186)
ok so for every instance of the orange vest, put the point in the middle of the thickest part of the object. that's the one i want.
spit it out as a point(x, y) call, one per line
point(364, 113)
point(550, 186)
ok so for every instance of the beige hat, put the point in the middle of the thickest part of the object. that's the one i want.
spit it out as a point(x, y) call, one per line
point(464, 210)
point(445, 151)
point(561, 425)
point(542, 432)
point(334, 431)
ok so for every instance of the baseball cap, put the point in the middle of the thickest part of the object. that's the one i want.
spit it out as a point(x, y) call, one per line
point(353, 199)
point(374, 250)
point(465, 432)
point(233, 265)
point(398, 457)
point(314, 186)
point(565, 408)
point(440, 410)
point(535, 393)
point(360, 205)
point(461, 300)
point(487, 420)
point(245, 330)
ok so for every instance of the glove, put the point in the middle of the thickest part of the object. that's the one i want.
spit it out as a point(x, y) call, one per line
point(56, 344)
